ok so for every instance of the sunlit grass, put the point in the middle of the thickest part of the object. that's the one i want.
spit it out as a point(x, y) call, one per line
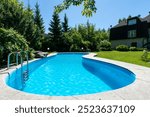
point(130, 57)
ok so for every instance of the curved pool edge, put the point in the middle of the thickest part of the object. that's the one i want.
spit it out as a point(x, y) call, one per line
point(138, 90)
point(131, 76)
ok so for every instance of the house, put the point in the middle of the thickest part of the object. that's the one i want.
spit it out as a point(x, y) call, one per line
point(134, 31)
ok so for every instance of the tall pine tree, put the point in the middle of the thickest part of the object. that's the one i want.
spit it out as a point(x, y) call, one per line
point(55, 33)
point(65, 27)
point(39, 32)
point(38, 18)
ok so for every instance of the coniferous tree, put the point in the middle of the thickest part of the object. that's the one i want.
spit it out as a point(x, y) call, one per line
point(55, 33)
point(39, 34)
point(30, 27)
point(38, 19)
point(65, 27)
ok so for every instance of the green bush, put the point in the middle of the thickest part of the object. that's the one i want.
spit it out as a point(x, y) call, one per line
point(104, 45)
point(10, 41)
point(141, 49)
point(133, 49)
point(145, 57)
point(122, 48)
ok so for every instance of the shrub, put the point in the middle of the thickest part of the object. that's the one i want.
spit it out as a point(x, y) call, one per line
point(122, 48)
point(144, 57)
point(11, 41)
point(133, 49)
point(141, 49)
point(104, 45)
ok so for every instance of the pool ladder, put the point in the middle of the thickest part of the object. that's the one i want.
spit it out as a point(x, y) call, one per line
point(24, 74)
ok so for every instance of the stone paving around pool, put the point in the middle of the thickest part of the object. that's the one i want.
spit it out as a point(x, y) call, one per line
point(139, 90)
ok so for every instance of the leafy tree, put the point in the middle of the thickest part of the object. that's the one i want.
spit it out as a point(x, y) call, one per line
point(14, 15)
point(10, 41)
point(88, 32)
point(55, 33)
point(11, 14)
point(88, 6)
point(104, 45)
point(65, 27)
point(76, 41)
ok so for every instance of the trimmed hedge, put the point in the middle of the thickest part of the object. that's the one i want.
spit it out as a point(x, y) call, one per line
point(122, 48)
point(133, 49)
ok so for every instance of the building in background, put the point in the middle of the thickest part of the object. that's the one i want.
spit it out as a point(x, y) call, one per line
point(133, 32)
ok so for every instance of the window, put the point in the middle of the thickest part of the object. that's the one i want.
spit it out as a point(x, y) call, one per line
point(149, 32)
point(132, 22)
point(131, 33)
point(134, 44)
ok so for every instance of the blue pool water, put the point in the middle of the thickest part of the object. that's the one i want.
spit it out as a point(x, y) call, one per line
point(70, 74)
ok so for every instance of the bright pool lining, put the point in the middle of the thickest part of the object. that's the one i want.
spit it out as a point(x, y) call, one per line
point(138, 90)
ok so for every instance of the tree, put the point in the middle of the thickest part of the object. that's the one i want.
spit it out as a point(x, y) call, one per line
point(10, 41)
point(55, 33)
point(38, 20)
point(65, 27)
point(124, 19)
point(11, 15)
point(121, 20)
point(30, 28)
point(88, 6)
point(39, 33)
point(14, 15)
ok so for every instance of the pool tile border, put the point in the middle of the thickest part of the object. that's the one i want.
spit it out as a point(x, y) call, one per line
point(139, 90)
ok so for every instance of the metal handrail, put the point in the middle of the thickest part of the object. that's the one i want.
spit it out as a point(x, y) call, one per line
point(17, 54)
point(8, 59)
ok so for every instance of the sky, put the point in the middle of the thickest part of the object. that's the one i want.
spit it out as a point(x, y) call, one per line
point(108, 11)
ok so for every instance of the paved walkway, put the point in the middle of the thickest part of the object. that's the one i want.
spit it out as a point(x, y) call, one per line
point(139, 90)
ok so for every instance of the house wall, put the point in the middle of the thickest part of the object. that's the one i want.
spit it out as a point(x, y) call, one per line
point(139, 41)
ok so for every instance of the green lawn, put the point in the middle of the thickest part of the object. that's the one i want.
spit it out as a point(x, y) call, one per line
point(130, 57)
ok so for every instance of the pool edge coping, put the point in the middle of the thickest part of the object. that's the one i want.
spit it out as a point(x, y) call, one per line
point(130, 92)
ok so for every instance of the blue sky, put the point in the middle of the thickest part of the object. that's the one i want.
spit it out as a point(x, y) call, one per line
point(108, 11)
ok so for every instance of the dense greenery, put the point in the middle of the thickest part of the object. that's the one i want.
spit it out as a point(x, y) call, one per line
point(27, 26)
point(84, 37)
point(20, 28)
point(105, 45)
point(130, 57)
point(10, 41)
point(88, 6)
point(14, 15)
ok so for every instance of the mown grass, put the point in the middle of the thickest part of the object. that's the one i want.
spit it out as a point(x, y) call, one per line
point(130, 57)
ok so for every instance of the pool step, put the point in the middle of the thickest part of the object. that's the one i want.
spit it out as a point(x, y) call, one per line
point(25, 75)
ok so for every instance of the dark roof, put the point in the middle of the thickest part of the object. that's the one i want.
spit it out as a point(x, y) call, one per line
point(147, 18)
point(123, 23)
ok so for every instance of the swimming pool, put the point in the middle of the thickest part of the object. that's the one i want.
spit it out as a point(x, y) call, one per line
point(67, 74)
